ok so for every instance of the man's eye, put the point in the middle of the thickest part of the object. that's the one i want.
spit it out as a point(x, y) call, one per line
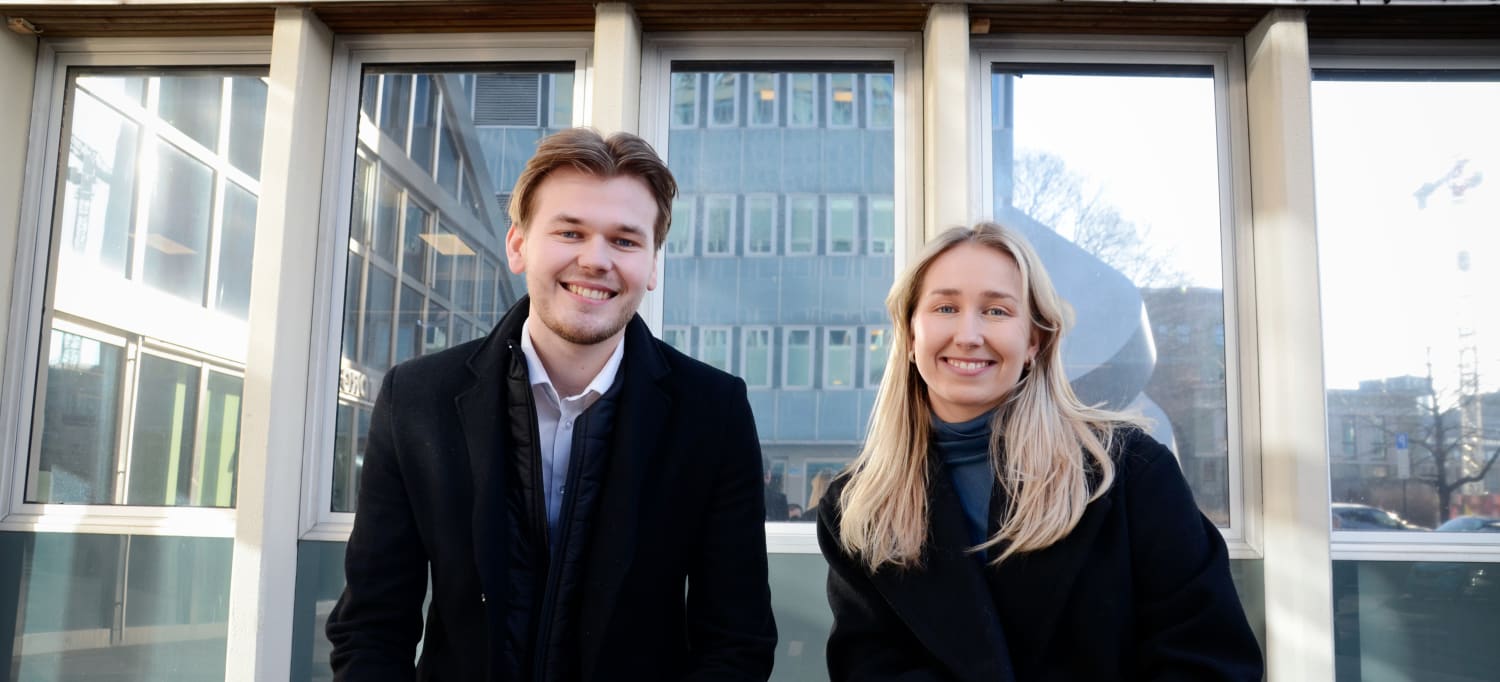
point(569, 234)
point(626, 243)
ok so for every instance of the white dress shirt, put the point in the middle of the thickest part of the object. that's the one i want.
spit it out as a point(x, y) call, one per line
point(555, 416)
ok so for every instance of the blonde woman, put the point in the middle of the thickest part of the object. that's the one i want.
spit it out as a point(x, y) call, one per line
point(995, 528)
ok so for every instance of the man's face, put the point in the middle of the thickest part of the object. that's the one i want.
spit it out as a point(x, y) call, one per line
point(587, 254)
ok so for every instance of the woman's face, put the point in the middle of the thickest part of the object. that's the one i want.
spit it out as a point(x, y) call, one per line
point(971, 331)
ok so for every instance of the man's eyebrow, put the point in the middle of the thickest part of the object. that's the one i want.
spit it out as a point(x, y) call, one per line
point(635, 230)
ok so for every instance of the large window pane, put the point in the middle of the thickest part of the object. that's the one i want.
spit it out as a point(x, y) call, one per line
point(1129, 228)
point(749, 296)
point(1415, 620)
point(154, 240)
point(425, 257)
point(1408, 255)
point(117, 607)
point(81, 422)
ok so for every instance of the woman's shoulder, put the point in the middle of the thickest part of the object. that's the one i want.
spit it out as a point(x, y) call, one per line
point(1136, 451)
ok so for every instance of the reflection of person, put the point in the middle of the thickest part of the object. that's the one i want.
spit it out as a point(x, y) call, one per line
point(993, 527)
point(818, 486)
point(776, 509)
point(541, 473)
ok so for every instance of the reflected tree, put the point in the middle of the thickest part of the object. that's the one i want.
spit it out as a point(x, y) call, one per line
point(1055, 195)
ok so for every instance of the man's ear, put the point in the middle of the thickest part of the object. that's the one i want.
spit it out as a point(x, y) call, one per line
point(515, 242)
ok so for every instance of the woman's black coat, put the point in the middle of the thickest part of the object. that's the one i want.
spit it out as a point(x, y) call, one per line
point(1139, 590)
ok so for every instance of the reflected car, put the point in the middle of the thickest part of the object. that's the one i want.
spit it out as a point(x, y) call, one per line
point(1351, 516)
point(1472, 524)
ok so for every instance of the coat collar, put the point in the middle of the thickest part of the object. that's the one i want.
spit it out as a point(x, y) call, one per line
point(938, 600)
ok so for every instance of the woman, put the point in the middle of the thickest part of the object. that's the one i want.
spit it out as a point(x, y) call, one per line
point(994, 527)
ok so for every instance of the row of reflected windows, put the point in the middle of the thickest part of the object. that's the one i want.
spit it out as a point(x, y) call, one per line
point(786, 225)
point(787, 100)
point(790, 358)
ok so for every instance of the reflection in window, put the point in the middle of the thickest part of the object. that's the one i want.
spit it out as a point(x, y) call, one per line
point(882, 225)
point(763, 99)
point(718, 225)
point(882, 100)
point(778, 186)
point(1406, 255)
point(155, 233)
point(756, 357)
point(680, 238)
point(1130, 250)
point(838, 358)
point(684, 100)
point(434, 253)
point(677, 337)
point(877, 353)
point(760, 225)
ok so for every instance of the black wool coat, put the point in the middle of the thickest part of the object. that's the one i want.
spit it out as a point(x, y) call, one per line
point(433, 496)
point(1139, 590)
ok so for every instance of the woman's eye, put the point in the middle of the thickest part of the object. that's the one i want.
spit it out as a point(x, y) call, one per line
point(998, 312)
point(947, 309)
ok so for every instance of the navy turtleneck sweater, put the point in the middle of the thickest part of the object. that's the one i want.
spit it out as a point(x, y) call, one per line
point(964, 449)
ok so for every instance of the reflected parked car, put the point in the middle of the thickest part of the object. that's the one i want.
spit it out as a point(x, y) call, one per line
point(1472, 524)
point(1351, 516)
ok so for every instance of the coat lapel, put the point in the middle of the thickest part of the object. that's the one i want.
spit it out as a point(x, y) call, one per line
point(1032, 589)
point(479, 413)
point(937, 602)
point(640, 420)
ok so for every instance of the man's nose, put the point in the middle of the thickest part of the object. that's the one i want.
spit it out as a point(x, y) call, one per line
point(593, 254)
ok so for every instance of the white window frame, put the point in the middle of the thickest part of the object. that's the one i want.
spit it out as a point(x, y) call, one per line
point(903, 51)
point(697, 85)
point(812, 357)
point(769, 349)
point(706, 331)
point(753, 96)
point(869, 115)
point(851, 335)
point(828, 202)
point(1226, 59)
point(687, 338)
point(31, 294)
point(816, 101)
point(867, 381)
point(829, 104)
point(709, 201)
point(1348, 545)
point(750, 201)
point(351, 54)
point(871, 241)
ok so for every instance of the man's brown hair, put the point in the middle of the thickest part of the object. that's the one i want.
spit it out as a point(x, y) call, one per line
point(586, 151)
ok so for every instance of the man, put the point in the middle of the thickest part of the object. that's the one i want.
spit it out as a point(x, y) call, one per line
point(542, 473)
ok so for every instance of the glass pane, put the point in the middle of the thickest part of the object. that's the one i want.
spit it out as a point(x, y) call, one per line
point(450, 241)
point(882, 225)
point(882, 101)
point(247, 123)
point(161, 461)
point(236, 252)
point(99, 194)
point(1415, 620)
point(118, 607)
point(680, 238)
point(763, 98)
point(768, 308)
point(178, 231)
point(1409, 260)
point(191, 105)
point(1129, 229)
point(76, 462)
point(842, 216)
point(219, 444)
point(878, 351)
point(684, 99)
point(840, 100)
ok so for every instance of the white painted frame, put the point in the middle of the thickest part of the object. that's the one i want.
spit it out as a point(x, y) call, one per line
point(903, 50)
point(752, 97)
point(351, 54)
point(720, 201)
point(1226, 58)
point(829, 103)
point(689, 227)
point(30, 295)
point(854, 240)
point(790, 222)
point(708, 98)
point(851, 334)
point(769, 350)
point(748, 223)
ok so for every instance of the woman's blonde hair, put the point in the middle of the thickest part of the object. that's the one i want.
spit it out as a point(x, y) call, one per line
point(1043, 442)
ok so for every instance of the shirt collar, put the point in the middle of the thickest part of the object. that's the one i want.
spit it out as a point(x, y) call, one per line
point(538, 372)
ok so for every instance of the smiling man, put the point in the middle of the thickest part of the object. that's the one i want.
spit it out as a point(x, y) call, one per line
point(588, 501)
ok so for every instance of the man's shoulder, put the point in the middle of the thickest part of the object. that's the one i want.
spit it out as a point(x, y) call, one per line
point(438, 370)
point(691, 372)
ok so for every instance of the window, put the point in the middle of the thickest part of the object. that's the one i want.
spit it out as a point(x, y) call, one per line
point(678, 337)
point(1405, 229)
point(724, 105)
point(801, 225)
point(1142, 250)
point(760, 225)
point(838, 358)
point(680, 238)
point(684, 100)
point(138, 398)
point(764, 97)
point(882, 226)
point(718, 225)
point(798, 363)
point(877, 354)
point(803, 110)
point(843, 217)
point(713, 346)
point(425, 246)
point(841, 104)
point(880, 100)
point(755, 356)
